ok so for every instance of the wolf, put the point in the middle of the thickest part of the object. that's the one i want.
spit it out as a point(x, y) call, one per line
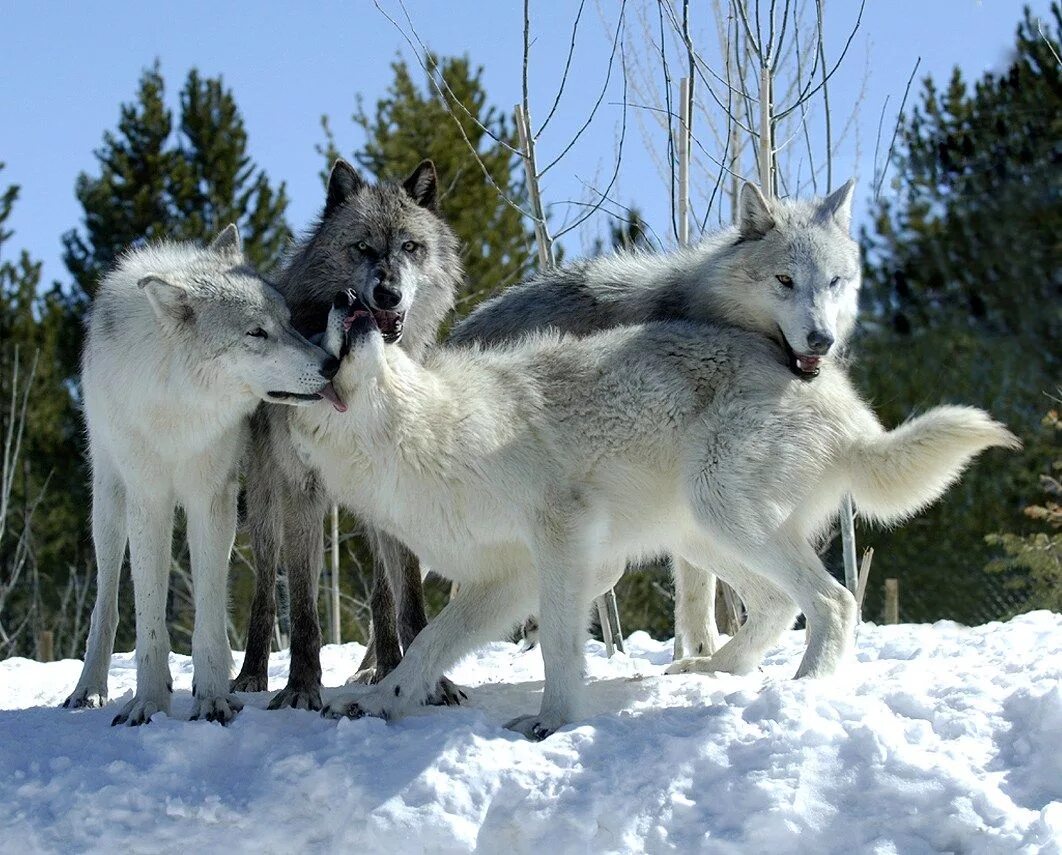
point(389, 244)
point(788, 270)
point(182, 344)
point(531, 473)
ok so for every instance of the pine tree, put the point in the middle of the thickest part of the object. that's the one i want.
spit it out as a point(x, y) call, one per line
point(49, 488)
point(963, 300)
point(157, 183)
point(411, 123)
point(1032, 562)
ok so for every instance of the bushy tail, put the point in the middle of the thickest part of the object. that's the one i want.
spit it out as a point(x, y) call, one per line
point(897, 473)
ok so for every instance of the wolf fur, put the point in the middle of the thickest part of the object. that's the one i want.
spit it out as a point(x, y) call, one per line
point(530, 474)
point(182, 345)
point(389, 244)
point(731, 278)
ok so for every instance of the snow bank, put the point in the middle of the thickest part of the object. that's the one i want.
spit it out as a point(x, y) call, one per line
point(938, 738)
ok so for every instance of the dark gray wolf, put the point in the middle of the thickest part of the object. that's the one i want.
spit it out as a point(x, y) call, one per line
point(387, 243)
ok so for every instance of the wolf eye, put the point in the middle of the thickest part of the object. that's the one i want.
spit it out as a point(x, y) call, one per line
point(410, 246)
point(361, 246)
point(785, 280)
point(835, 281)
point(258, 332)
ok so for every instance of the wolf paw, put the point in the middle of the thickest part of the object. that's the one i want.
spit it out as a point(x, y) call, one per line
point(370, 704)
point(692, 665)
point(446, 694)
point(249, 683)
point(534, 727)
point(364, 677)
point(307, 698)
point(139, 711)
point(220, 709)
point(86, 699)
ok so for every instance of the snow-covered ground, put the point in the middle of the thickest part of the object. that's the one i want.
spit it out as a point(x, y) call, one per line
point(938, 738)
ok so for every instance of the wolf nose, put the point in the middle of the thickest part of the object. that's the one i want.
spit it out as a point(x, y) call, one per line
point(819, 343)
point(329, 368)
point(386, 298)
point(343, 299)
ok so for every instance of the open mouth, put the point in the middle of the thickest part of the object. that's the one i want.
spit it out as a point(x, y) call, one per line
point(387, 322)
point(803, 365)
point(327, 393)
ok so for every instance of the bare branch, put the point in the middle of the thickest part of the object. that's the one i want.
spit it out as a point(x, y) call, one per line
point(567, 66)
point(896, 129)
point(808, 93)
point(617, 39)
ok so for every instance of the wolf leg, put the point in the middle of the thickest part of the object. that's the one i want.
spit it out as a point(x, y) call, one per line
point(386, 646)
point(483, 612)
point(303, 554)
point(264, 513)
point(109, 537)
point(211, 531)
point(563, 608)
point(403, 569)
point(770, 612)
point(150, 526)
point(792, 565)
point(695, 625)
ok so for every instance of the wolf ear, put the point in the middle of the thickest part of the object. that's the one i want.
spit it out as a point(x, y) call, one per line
point(170, 302)
point(423, 184)
point(343, 182)
point(228, 242)
point(755, 218)
point(838, 205)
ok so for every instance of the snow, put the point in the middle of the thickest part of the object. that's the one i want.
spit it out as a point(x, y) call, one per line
point(934, 738)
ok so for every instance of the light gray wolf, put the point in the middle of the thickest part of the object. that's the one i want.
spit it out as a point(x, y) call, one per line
point(531, 473)
point(789, 270)
point(182, 345)
point(387, 242)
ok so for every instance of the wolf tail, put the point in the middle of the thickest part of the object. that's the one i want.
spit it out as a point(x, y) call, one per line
point(896, 473)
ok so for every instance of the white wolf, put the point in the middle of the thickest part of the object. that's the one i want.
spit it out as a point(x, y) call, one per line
point(788, 270)
point(182, 345)
point(531, 474)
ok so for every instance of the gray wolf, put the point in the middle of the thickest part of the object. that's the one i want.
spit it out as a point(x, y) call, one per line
point(789, 270)
point(531, 473)
point(388, 243)
point(182, 345)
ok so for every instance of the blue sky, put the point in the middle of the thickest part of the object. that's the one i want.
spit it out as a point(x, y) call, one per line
point(65, 73)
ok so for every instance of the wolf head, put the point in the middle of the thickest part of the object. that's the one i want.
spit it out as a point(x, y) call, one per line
point(385, 242)
point(235, 327)
point(794, 273)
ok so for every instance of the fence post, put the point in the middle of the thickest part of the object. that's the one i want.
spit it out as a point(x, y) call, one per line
point(892, 601)
point(45, 645)
point(335, 575)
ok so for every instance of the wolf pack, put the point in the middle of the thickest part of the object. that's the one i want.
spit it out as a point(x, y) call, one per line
point(692, 403)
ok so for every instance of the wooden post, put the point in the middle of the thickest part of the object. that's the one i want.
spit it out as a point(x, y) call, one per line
point(864, 576)
point(892, 601)
point(848, 545)
point(606, 627)
point(45, 645)
point(527, 144)
point(335, 576)
point(684, 162)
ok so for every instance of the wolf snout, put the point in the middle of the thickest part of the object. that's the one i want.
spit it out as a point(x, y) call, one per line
point(819, 342)
point(385, 296)
point(329, 368)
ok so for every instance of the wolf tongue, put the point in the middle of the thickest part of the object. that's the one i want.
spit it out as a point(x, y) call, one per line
point(328, 392)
